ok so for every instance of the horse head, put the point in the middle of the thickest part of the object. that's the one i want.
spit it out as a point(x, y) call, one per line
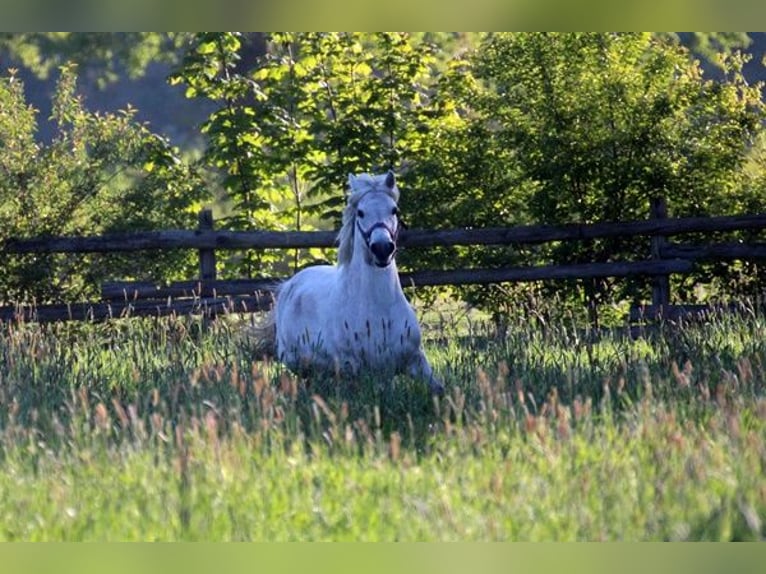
point(371, 217)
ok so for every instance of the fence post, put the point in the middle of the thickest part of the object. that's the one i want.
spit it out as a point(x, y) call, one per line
point(207, 272)
point(660, 283)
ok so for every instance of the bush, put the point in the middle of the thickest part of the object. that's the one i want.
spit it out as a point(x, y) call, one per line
point(100, 173)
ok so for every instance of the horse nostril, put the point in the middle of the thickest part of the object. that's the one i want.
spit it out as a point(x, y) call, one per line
point(382, 250)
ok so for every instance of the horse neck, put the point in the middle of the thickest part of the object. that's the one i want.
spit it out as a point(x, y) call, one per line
point(379, 284)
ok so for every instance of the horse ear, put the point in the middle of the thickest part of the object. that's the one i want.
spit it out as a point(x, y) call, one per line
point(390, 179)
point(351, 180)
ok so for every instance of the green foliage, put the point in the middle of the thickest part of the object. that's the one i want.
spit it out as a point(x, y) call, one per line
point(295, 122)
point(483, 130)
point(559, 128)
point(710, 45)
point(101, 173)
point(105, 56)
point(526, 128)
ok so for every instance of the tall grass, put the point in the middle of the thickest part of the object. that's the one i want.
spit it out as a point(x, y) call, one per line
point(168, 429)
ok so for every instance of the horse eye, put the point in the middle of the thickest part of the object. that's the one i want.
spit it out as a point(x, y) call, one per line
point(359, 213)
point(395, 211)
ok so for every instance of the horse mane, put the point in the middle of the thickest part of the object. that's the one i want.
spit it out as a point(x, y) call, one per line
point(359, 186)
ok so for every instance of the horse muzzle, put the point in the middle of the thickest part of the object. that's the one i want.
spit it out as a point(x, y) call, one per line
point(383, 252)
point(381, 244)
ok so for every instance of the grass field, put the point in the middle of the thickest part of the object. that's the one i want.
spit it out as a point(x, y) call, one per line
point(171, 430)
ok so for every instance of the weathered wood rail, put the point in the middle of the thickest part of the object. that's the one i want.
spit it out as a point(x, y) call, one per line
point(209, 295)
point(525, 234)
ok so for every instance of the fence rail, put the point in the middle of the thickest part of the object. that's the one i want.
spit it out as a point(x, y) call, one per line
point(525, 234)
point(207, 294)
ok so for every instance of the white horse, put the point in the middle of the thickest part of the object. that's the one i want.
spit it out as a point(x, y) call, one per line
point(352, 317)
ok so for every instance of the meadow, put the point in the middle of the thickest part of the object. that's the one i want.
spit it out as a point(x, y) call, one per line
point(172, 429)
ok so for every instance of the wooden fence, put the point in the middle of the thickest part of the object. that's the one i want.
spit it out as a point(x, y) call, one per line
point(208, 294)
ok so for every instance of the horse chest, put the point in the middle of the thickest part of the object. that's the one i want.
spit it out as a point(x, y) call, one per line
point(379, 342)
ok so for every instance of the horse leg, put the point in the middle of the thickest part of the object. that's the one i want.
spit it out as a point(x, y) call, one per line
point(420, 368)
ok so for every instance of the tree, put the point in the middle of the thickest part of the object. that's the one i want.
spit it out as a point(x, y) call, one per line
point(292, 125)
point(590, 127)
point(101, 173)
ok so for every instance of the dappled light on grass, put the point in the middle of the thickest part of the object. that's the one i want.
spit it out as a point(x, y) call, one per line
point(171, 430)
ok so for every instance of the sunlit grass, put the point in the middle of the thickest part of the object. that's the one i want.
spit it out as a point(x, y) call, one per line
point(171, 429)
